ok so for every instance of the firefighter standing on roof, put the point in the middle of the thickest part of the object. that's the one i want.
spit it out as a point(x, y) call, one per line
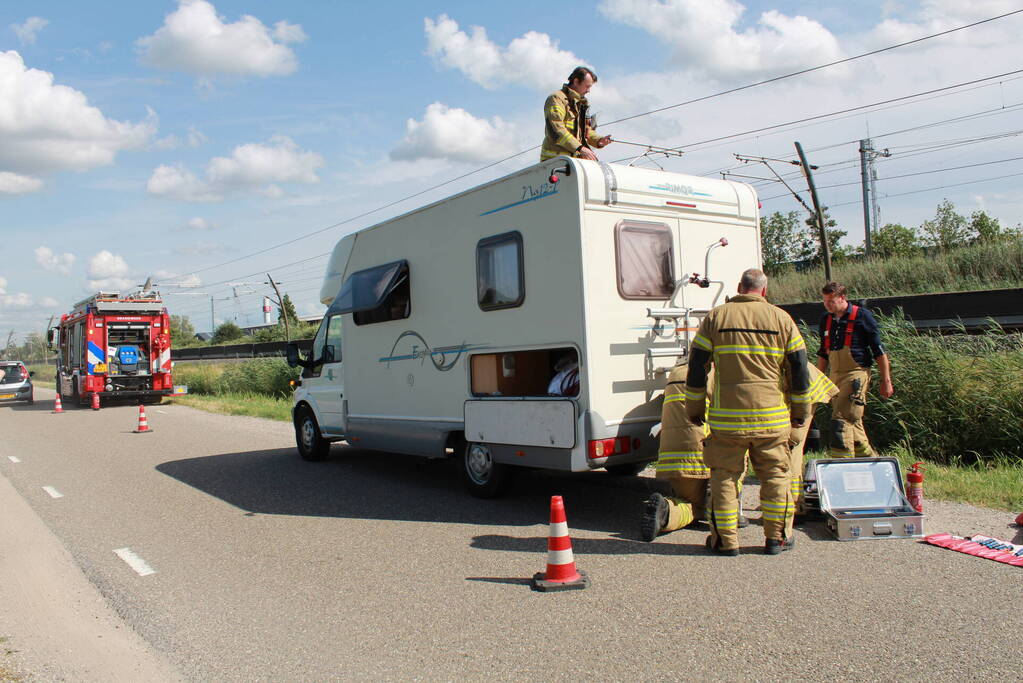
point(850, 342)
point(749, 342)
point(566, 127)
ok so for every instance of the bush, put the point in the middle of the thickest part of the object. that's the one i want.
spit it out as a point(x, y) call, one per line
point(957, 398)
point(265, 376)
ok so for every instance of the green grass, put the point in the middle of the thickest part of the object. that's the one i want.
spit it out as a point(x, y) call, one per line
point(997, 485)
point(44, 374)
point(238, 403)
point(982, 266)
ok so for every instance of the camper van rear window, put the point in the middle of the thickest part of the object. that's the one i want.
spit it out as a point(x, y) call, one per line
point(643, 254)
point(499, 280)
point(375, 294)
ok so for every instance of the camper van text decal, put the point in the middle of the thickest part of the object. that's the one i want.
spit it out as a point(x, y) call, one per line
point(680, 189)
point(530, 193)
point(410, 345)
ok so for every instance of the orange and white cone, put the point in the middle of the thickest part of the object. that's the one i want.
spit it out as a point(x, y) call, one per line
point(561, 573)
point(57, 407)
point(143, 427)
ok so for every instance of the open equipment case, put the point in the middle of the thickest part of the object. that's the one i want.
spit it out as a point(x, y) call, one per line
point(861, 498)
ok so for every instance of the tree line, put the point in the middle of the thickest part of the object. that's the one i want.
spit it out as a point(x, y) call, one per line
point(788, 242)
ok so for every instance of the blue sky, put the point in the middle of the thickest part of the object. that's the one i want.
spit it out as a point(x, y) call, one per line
point(167, 138)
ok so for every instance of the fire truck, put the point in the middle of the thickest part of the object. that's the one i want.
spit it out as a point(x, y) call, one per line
point(112, 346)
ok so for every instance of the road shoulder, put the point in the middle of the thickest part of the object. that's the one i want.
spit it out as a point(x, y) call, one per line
point(56, 620)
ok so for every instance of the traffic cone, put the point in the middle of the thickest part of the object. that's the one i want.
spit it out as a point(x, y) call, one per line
point(561, 573)
point(95, 401)
point(57, 407)
point(143, 427)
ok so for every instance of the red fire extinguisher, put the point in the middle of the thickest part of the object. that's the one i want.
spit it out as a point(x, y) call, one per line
point(915, 487)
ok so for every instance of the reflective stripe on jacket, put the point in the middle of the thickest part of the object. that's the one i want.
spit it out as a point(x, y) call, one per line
point(561, 131)
point(748, 340)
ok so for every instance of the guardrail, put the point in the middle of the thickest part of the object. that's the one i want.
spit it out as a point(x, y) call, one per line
point(233, 351)
point(941, 312)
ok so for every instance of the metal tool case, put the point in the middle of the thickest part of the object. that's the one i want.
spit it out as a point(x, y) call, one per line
point(863, 498)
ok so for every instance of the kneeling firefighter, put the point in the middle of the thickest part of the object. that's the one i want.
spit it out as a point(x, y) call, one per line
point(679, 464)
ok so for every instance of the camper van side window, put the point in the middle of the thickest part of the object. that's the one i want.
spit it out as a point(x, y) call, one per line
point(396, 305)
point(499, 272)
point(643, 253)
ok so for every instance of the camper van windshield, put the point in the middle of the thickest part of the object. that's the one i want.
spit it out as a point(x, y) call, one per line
point(367, 289)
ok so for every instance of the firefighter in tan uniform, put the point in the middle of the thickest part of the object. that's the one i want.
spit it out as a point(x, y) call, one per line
point(566, 129)
point(822, 390)
point(850, 343)
point(751, 344)
point(679, 464)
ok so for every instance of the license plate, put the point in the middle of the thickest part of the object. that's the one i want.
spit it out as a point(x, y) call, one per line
point(7, 395)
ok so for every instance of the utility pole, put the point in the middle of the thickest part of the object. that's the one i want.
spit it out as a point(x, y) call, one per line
point(280, 302)
point(868, 179)
point(825, 247)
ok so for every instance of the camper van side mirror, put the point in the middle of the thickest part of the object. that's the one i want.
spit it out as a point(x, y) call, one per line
point(49, 337)
point(291, 352)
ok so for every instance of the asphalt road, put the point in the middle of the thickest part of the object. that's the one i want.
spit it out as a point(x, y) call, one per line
point(378, 566)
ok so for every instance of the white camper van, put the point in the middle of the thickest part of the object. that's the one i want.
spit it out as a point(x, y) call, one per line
point(530, 321)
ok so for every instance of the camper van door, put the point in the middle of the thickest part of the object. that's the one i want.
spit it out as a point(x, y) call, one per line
point(327, 390)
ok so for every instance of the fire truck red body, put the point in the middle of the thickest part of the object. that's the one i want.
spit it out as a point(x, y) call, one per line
point(114, 346)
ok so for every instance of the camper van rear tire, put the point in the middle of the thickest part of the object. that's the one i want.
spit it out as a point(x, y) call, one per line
point(311, 444)
point(483, 477)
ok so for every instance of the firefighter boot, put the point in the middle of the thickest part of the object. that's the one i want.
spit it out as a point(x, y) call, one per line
point(776, 547)
point(655, 517)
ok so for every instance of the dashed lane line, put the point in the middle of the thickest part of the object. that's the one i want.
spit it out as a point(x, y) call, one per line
point(13, 459)
point(54, 493)
point(140, 566)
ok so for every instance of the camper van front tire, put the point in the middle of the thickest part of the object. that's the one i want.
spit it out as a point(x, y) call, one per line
point(483, 477)
point(311, 444)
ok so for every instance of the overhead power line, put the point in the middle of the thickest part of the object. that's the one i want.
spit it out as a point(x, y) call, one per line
point(627, 118)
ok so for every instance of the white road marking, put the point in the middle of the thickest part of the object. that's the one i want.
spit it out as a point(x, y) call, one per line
point(162, 411)
point(135, 562)
point(54, 493)
point(13, 459)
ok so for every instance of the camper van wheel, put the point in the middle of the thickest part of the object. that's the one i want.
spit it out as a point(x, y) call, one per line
point(311, 445)
point(628, 470)
point(483, 477)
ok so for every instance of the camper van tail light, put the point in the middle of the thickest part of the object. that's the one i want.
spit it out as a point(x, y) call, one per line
point(602, 448)
point(553, 178)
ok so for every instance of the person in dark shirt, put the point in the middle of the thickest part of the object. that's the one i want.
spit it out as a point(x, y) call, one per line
point(850, 344)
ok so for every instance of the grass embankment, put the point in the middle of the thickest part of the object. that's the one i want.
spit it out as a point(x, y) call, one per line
point(982, 266)
point(257, 388)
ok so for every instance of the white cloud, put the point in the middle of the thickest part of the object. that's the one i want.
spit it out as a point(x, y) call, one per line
point(251, 166)
point(933, 16)
point(177, 182)
point(3, 285)
point(19, 300)
point(28, 31)
point(198, 223)
point(195, 137)
point(59, 263)
point(47, 127)
point(533, 59)
point(452, 133)
point(194, 39)
point(108, 272)
point(13, 183)
point(705, 39)
point(48, 302)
